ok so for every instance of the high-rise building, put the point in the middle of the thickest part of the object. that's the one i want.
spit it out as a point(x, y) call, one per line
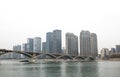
point(44, 47)
point(117, 48)
point(49, 42)
point(57, 48)
point(16, 48)
point(37, 44)
point(30, 45)
point(24, 47)
point(71, 44)
point(94, 48)
point(85, 44)
point(88, 44)
point(53, 42)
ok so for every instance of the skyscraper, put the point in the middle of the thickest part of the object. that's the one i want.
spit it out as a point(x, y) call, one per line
point(53, 42)
point(71, 44)
point(37, 44)
point(88, 44)
point(57, 48)
point(49, 42)
point(30, 45)
point(85, 44)
point(44, 47)
point(94, 49)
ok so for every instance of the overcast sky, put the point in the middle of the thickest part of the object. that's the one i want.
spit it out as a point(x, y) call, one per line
point(20, 19)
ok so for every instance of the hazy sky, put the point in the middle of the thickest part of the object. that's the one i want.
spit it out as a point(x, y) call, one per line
point(20, 19)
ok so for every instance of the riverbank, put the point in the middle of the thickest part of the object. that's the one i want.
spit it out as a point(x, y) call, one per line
point(110, 59)
point(58, 60)
point(114, 59)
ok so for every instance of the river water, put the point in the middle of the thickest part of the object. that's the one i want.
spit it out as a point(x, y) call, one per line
point(60, 69)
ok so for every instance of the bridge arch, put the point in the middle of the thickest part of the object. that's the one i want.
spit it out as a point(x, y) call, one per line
point(19, 52)
point(45, 56)
point(79, 57)
point(65, 57)
point(91, 58)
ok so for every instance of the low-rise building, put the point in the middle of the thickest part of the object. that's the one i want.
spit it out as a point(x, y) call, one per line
point(105, 53)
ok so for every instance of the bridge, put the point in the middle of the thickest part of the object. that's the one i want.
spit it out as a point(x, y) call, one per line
point(39, 55)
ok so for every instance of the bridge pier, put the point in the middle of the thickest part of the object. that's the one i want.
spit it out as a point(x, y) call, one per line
point(33, 55)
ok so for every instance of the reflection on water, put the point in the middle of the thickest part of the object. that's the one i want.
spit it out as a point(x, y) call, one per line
point(89, 69)
point(109, 69)
point(61, 69)
point(77, 69)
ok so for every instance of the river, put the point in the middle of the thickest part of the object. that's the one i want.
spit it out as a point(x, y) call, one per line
point(60, 69)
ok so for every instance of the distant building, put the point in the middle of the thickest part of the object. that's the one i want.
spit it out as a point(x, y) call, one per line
point(53, 42)
point(57, 41)
point(85, 44)
point(24, 47)
point(49, 42)
point(88, 44)
point(94, 47)
point(105, 53)
point(117, 48)
point(64, 50)
point(44, 47)
point(37, 44)
point(71, 44)
point(16, 48)
point(30, 45)
point(112, 51)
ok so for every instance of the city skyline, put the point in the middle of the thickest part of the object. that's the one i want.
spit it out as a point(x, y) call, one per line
point(22, 19)
point(63, 40)
point(59, 38)
point(86, 46)
point(63, 44)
